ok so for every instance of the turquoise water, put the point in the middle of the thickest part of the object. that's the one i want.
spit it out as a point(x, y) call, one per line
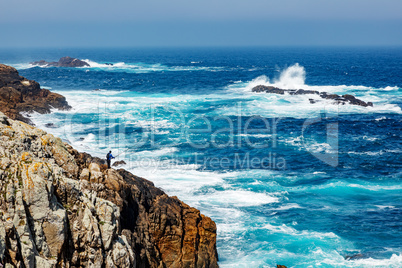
point(286, 181)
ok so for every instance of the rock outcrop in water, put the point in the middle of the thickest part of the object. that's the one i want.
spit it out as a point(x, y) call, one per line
point(63, 62)
point(18, 94)
point(62, 208)
point(119, 163)
point(337, 98)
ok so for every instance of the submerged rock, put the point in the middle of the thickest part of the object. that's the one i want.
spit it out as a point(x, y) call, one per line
point(354, 257)
point(18, 94)
point(63, 208)
point(63, 62)
point(337, 98)
point(50, 125)
point(119, 163)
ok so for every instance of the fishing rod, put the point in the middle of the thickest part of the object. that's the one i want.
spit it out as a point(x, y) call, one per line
point(122, 152)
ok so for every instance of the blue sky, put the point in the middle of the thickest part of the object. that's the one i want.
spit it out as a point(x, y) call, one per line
point(128, 23)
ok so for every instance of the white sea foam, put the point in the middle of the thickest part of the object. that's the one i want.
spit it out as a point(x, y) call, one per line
point(334, 259)
point(316, 256)
point(385, 207)
point(22, 66)
point(178, 179)
point(377, 187)
point(156, 153)
point(386, 151)
point(146, 68)
point(284, 229)
point(388, 88)
point(292, 77)
point(334, 185)
point(94, 64)
point(138, 67)
point(381, 118)
point(256, 135)
point(309, 145)
point(90, 138)
point(240, 198)
point(288, 206)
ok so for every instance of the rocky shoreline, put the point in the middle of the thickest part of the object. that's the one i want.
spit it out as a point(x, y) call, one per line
point(18, 94)
point(63, 208)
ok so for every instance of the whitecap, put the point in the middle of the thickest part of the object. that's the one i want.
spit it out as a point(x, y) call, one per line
point(288, 206)
point(284, 229)
point(140, 67)
point(240, 198)
point(385, 207)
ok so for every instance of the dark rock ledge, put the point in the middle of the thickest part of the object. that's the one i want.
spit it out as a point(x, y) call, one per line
point(18, 94)
point(337, 98)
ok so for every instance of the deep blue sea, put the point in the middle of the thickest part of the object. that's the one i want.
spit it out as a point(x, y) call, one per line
point(287, 182)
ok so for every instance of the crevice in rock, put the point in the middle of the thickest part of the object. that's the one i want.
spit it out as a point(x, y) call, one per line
point(30, 223)
point(197, 238)
point(183, 229)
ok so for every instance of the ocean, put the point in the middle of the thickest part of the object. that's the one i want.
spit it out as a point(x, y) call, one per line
point(286, 181)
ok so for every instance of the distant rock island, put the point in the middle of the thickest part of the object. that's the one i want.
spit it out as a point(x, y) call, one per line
point(18, 94)
point(337, 98)
point(63, 62)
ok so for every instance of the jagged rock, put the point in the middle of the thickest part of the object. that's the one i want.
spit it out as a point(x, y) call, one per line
point(338, 99)
point(109, 215)
point(268, 89)
point(354, 257)
point(62, 208)
point(71, 62)
point(85, 175)
point(96, 174)
point(280, 266)
point(18, 94)
point(63, 62)
point(50, 125)
point(119, 163)
point(353, 100)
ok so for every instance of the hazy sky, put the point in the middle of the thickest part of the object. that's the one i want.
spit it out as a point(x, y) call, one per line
point(86, 23)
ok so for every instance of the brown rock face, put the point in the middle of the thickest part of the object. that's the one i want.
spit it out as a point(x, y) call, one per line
point(18, 94)
point(62, 208)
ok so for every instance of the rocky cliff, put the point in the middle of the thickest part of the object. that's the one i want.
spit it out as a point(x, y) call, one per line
point(62, 208)
point(18, 94)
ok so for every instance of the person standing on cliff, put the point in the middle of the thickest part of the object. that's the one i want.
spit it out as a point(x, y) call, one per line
point(109, 158)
